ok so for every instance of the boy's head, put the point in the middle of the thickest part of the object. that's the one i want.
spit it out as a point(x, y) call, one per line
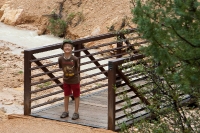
point(68, 42)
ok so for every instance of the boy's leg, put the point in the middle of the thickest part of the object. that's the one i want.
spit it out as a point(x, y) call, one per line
point(66, 102)
point(67, 93)
point(77, 101)
point(76, 93)
point(76, 114)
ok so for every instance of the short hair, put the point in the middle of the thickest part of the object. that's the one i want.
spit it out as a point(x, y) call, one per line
point(66, 41)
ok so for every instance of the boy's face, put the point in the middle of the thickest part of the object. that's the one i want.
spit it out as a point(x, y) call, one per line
point(67, 48)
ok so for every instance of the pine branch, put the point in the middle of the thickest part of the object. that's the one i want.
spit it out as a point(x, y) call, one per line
point(184, 38)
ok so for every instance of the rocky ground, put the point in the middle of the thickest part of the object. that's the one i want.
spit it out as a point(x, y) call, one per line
point(94, 17)
point(11, 81)
point(11, 68)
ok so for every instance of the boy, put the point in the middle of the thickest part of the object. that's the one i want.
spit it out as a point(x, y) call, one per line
point(71, 80)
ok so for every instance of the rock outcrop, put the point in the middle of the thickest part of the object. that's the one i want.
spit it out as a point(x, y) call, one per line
point(87, 18)
point(10, 16)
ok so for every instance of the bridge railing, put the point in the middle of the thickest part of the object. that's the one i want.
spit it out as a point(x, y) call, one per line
point(126, 90)
point(43, 78)
point(131, 96)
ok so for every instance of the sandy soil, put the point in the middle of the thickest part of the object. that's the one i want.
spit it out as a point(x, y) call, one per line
point(25, 124)
point(11, 81)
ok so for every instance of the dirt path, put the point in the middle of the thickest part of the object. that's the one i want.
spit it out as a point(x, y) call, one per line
point(25, 124)
point(11, 79)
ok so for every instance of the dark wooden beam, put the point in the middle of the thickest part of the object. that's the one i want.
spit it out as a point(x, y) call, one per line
point(27, 82)
point(135, 90)
point(111, 95)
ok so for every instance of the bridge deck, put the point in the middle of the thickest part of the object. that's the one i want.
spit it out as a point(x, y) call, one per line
point(93, 111)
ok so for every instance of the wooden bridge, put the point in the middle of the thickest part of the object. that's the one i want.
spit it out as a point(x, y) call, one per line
point(103, 81)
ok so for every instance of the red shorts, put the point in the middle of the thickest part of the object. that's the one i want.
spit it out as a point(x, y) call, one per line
point(69, 88)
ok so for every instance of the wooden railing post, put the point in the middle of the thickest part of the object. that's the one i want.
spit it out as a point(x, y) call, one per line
point(27, 83)
point(119, 51)
point(111, 95)
point(119, 44)
point(78, 54)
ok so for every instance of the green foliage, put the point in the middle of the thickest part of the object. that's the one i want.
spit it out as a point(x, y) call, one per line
point(172, 28)
point(44, 84)
point(79, 18)
point(57, 26)
point(70, 17)
point(164, 97)
point(1, 68)
point(20, 72)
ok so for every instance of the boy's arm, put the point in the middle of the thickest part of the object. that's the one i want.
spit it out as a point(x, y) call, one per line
point(78, 65)
point(59, 62)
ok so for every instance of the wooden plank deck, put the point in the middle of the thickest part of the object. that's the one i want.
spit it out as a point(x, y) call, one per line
point(93, 111)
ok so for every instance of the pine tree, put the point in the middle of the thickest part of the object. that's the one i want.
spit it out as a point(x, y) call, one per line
point(172, 28)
